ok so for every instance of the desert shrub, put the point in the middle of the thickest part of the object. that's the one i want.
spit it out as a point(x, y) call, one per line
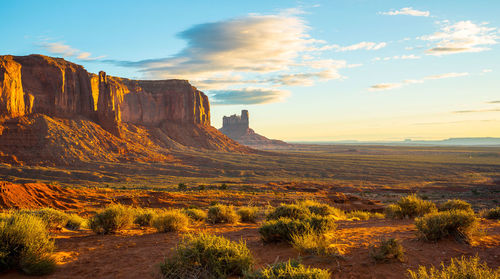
point(435, 226)
point(196, 214)
point(75, 222)
point(223, 186)
point(387, 250)
point(182, 187)
point(410, 206)
point(322, 209)
point(466, 268)
point(292, 211)
point(112, 219)
point(171, 221)
point(289, 270)
point(456, 205)
point(493, 213)
point(144, 217)
point(321, 224)
point(25, 244)
point(207, 256)
point(248, 214)
point(315, 244)
point(221, 214)
point(284, 228)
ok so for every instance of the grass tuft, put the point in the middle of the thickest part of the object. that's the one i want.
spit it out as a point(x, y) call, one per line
point(171, 221)
point(112, 218)
point(248, 214)
point(438, 225)
point(466, 268)
point(289, 270)
point(222, 214)
point(387, 250)
point(409, 207)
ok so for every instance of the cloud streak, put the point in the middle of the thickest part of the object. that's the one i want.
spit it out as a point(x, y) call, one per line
point(407, 11)
point(463, 36)
point(389, 86)
point(247, 96)
point(58, 48)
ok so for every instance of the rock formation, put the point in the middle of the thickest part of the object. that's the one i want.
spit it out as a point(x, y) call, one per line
point(37, 85)
point(238, 128)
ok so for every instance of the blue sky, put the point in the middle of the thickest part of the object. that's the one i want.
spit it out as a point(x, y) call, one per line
point(306, 70)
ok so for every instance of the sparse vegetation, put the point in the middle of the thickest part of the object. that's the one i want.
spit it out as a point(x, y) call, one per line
point(56, 219)
point(363, 215)
point(196, 214)
point(171, 221)
point(248, 214)
point(289, 270)
point(456, 204)
point(463, 268)
point(457, 223)
point(493, 213)
point(181, 187)
point(292, 211)
point(409, 207)
point(222, 214)
point(144, 217)
point(284, 228)
point(207, 256)
point(314, 244)
point(387, 250)
point(322, 209)
point(25, 244)
point(111, 219)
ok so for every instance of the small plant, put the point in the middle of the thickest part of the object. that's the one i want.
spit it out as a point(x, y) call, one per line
point(456, 205)
point(56, 219)
point(112, 219)
point(223, 186)
point(457, 223)
point(25, 244)
point(289, 270)
point(248, 214)
point(470, 268)
point(409, 207)
point(171, 221)
point(387, 250)
point(284, 228)
point(322, 209)
point(196, 214)
point(207, 256)
point(363, 215)
point(182, 187)
point(493, 213)
point(75, 222)
point(314, 244)
point(219, 213)
point(292, 211)
point(144, 217)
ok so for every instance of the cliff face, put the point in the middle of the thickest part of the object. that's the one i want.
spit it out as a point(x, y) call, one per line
point(58, 88)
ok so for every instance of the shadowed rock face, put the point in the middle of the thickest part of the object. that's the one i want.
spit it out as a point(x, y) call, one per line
point(56, 87)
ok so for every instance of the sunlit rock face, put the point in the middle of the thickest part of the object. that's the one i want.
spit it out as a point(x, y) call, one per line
point(56, 87)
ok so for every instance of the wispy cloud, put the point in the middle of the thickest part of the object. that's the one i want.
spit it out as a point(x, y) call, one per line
point(358, 46)
point(397, 57)
point(494, 102)
point(247, 96)
point(232, 56)
point(407, 11)
point(61, 49)
point(389, 86)
point(463, 36)
point(478, 110)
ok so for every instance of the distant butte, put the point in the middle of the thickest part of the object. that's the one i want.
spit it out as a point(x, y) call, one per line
point(238, 128)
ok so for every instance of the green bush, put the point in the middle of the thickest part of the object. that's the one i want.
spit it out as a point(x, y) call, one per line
point(322, 209)
point(56, 219)
point(112, 218)
point(289, 270)
point(314, 244)
point(196, 214)
point(284, 228)
point(219, 213)
point(144, 217)
point(493, 213)
point(292, 211)
point(75, 222)
point(182, 187)
point(409, 207)
point(387, 250)
point(464, 268)
point(435, 226)
point(171, 221)
point(207, 256)
point(456, 205)
point(248, 214)
point(25, 244)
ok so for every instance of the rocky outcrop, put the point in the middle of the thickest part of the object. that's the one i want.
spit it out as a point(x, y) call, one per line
point(237, 128)
point(38, 91)
point(58, 88)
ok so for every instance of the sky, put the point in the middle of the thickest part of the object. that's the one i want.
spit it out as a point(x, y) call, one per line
point(306, 70)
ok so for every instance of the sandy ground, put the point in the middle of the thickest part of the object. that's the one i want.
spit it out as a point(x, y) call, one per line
point(136, 253)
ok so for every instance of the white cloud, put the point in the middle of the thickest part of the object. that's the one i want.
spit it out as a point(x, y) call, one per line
point(463, 36)
point(408, 11)
point(487, 70)
point(397, 57)
point(389, 86)
point(58, 48)
point(358, 46)
point(247, 96)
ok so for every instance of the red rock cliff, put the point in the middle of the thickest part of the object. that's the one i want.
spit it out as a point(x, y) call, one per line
point(56, 87)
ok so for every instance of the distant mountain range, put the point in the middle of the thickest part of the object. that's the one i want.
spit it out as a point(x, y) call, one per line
point(485, 141)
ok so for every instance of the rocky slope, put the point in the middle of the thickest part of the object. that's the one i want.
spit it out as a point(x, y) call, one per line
point(85, 112)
